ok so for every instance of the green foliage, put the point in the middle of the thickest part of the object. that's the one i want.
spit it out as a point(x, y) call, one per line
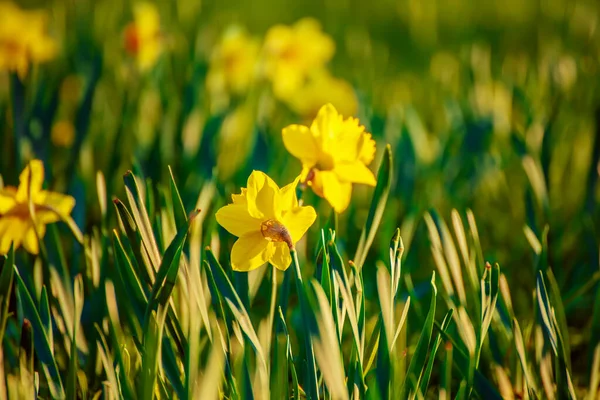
point(469, 271)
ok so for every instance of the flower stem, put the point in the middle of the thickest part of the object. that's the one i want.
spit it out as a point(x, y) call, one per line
point(311, 388)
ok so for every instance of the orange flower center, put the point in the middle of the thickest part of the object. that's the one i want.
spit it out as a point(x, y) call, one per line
point(20, 211)
point(275, 231)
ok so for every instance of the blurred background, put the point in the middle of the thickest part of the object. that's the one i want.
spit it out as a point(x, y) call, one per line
point(489, 106)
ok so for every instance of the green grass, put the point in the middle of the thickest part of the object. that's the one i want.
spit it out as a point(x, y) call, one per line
point(469, 271)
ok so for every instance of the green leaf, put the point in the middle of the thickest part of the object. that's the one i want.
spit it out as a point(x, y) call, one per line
point(426, 371)
point(178, 209)
point(7, 265)
point(382, 190)
point(166, 275)
point(26, 371)
point(417, 362)
point(74, 357)
point(43, 347)
point(462, 361)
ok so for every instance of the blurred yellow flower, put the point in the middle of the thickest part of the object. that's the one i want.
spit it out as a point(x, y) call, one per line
point(143, 38)
point(322, 88)
point(19, 223)
point(23, 39)
point(292, 52)
point(268, 222)
point(63, 133)
point(334, 152)
point(232, 63)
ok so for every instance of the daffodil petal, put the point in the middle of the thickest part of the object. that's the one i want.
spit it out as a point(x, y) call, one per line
point(58, 203)
point(5, 238)
point(30, 181)
point(288, 195)
point(237, 221)
point(335, 192)
point(355, 172)
point(30, 239)
point(250, 252)
point(14, 230)
point(281, 258)
point(367, 149)
point(299, 141)
point(7, 200)
point(298, 220)
point(240, 198)
point(324, 127)
point(262, 196)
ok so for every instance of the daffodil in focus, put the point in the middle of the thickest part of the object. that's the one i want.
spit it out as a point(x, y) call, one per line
point(143, 38)
point(335, 153)
point(232, 63)
point(268, 221)
point(322, 88)
point(23, 39)
point(19, 223)
point(292, 52)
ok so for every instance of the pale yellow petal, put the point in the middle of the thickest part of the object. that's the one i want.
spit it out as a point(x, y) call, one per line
point(281, 258)
point(30, 181)
point(355, 172)
point(250, 252)
point(337, 193)
point(236, 220)
point(298, 220)
point(299, 141)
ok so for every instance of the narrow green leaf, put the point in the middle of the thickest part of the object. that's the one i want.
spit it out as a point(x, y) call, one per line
point(74, 356)
point(7, 265)
point(42, 345)
point(382, 190)
point(426, 371)
point(417, 361)
point(26, 371)
point(178, 209)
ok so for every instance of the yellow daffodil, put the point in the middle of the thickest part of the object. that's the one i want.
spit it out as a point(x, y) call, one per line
point(268, 222)
point(335, 153)
point(292, 52)
point(322, 88)
point(143, 38)
point(16, 223)
point(232, 63)
point(23, 39)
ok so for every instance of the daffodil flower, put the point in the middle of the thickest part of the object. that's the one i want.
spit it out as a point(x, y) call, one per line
point(23, 39)
point(335, 153)
point(143, 37)
point(232, 63)
point(292, 52)
point(268, 221)
point(19, 223)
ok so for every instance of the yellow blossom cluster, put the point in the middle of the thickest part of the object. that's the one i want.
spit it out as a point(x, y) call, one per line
point(335, 153)
point(293, 59)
